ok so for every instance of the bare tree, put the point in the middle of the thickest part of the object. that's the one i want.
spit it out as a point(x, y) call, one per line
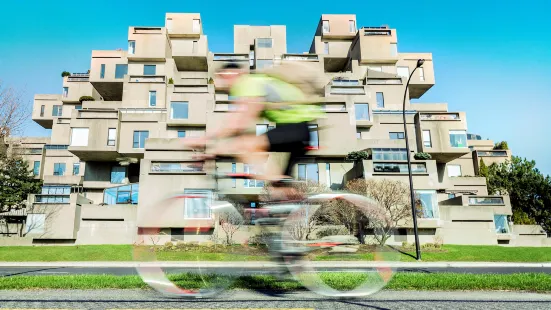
point(230, 221)
point(303, 222)
point(13, 112)
point(35, 226)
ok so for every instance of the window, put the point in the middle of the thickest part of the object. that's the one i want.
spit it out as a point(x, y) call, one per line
point(65, 92)
point(396, 135)
point(451, 195)
point(325, 26)
point(36, 168)
point(149, 69)
point(181, 133)
point(427, 142)
point(79, 137)
point(454, 170)
point(59, 168)
point(261, 129)
point(152, 98)
point(234, 170)
point(351, 26)
point(56, 190)
point(249, 169)
point(199, 206)
point(326, 48)
point(403, 71)
point(102, 71)
point(314, 138)
point(428, 204)
point(399, 168)
point(362, 111)
point(196, 25)
point(458, 138)
point(393, 50)
point(169, 24)
point(358, 134)
point(57, 110)
point(42, 108)
point(111, 136)
point(328, 173)
point(194, 47)
point(486, 201)
point(126, 194)
point(251, 58)
point(179, 110)
point(35, 223)
point(139, 139)
point(264, 63)
point(131, 47)
point(380, 100)
point(421, 74)
point(502, 225)
point(308, 172)
point(78, 107)
point(345, 82)
point(389, 154)
point(120, 71)
point(76, 168)
point(264, 42)
point(176, 166)
point(118, 173)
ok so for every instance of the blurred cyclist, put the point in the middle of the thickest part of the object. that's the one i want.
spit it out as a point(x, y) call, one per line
point(264, 96)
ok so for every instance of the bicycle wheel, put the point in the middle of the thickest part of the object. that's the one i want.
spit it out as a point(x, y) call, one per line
point(340, 235)
point(176, 263)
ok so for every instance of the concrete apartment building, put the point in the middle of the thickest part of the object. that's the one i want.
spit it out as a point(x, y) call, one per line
point(109, 161)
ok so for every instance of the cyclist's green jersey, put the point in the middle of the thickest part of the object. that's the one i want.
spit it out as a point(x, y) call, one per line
point(276, 91)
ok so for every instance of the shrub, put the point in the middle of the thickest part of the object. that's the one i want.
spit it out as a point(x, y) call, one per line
point(332, 231)
point(422, 156)
point(263, 238)
point(170, 81)
point(501, 146)
point(65, 73)
point(356, 156)
point(211, 81)
point(86, 98)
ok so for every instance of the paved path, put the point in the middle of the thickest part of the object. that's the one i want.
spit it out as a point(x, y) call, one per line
point(140, 299)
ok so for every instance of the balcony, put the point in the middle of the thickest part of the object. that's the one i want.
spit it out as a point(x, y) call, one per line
point(183, 25)
point(375, 45)
point(442, 134)
point(63, 179)
point(148, 44)
point(337, 26)
point(107, 73)
point(147, 79)
point(75, 86)
point(102, 136)
point(301, 57)
point(423, 78)
point(190, 54)
point(490, 157)
point(43, 109)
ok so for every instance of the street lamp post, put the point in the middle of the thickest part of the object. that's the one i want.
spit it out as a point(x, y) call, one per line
point(413, 210)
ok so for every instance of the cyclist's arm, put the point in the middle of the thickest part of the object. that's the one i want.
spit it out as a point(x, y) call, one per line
point(248, 111)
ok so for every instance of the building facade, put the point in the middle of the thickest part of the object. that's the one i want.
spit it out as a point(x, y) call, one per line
point(110, 161)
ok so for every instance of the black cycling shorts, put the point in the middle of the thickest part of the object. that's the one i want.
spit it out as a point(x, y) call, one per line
point(289, 138)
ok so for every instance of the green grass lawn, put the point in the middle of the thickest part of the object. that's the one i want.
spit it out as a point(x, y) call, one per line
point(535, 282)
point(124, 253)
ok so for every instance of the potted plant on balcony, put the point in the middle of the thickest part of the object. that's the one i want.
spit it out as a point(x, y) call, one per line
point(170, 81)
point(356, 156)
point(501, 146)
point(65, 73)
point(86, 98)
point(422, 156)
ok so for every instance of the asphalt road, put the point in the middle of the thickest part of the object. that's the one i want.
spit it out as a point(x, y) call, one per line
point(120, 271)
point(140, 299)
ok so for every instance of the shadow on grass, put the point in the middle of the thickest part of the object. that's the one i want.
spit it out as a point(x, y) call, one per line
point(402, 252)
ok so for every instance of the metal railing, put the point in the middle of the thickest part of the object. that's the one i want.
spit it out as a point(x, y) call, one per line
point(142, 110)
point(56, 147)
point(147, 78)
point(231, 57)
point(439, 117)
point(491, 153)
point(53, 199)
point(300, 57)
point(478, 201)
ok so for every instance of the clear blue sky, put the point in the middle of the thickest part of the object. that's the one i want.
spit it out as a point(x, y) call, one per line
point(491, 57)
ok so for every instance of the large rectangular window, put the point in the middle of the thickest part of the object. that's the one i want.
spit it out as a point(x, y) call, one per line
point(351, 26)
point(486, 201)
point(380, 100)
point(76, 168)
point(59, 168)
point(264, 63)
point(326, 48)
point(118, 173)
point(454, 170)
point(399, 168)
point(198, 207)
point(396, 135)
point(120, 71)
point(179, 110)
point(65, 92)
point(308, 172)
point(152, 98)
point(57, 110)
point(111, 136)
point(196, 26)
point(149, 69)
point(264, 42)
point(427, 142)
point(325, 26)
point(131, 47)
point(389, 154)
point(55, 190)
point(427, 203)
point(314, 137)
point(42, 108)
point(249, 169)
point(502, 225)
point(177, 167)
point(79, 136)
point(102, 71)
point(403, 71)
point(139, 139)
point(458, 138)
point(362, 111)
point(36, 168)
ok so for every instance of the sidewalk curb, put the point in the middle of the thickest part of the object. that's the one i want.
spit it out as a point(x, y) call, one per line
point(321, 264)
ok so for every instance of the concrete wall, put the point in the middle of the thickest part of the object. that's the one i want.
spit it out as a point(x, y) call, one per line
point(107, 224)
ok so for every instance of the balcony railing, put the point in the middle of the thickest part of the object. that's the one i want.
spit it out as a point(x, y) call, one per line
point(222, 57)
point(377, 32)
point(176, 167)
point(345, 82)
point(347, 90)
point(141, 110)
point(481, 201)
point(399, 168)
point(52, 199)
point(300, 57)
point(440, 117)
point(491, 153)
point(383, 81)
point(147, 78)
point(78, 77)
point(56, 147)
